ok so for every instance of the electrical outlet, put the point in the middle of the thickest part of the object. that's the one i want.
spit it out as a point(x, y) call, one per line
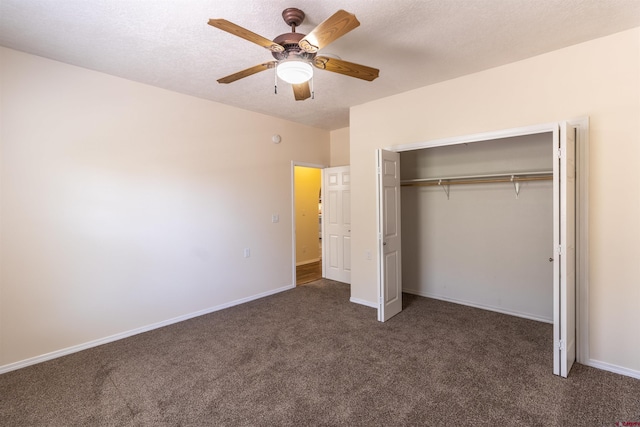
point(275, 218)
point(247, 252)
point(367, 254)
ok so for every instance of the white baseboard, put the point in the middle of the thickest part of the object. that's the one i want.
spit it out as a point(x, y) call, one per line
point(613, 368)
point(76, 348)
point(309, 261)
point(590, 362)
point(363, 302)
point(481, 306)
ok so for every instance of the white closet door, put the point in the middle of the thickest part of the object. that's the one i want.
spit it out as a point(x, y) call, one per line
point(389, 245)
point(336, 218)
point(564, 283)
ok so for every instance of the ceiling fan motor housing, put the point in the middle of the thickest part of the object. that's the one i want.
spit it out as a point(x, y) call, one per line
point(292, 49)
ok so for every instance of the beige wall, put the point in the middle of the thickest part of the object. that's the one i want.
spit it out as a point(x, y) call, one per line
point(307, 192)
point(340, 147)
point(481, 245)
point(125, 205)
point(599, 79)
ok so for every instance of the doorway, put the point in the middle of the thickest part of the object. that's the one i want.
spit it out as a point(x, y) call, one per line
point(570, 246)
point(307, 195)
point(321, 215)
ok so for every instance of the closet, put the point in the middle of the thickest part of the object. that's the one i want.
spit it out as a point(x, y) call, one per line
point(477, 224)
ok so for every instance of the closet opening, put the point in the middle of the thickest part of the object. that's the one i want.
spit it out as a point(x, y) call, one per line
point(498, 221)
point(480, 217)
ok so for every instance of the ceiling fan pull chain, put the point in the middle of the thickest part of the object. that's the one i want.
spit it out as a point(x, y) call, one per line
point(313, 93)
point(275, 83)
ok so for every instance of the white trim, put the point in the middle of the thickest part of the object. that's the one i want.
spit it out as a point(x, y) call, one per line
point(94, 343)
point(485, 136)
point(363, 302)
point(480, 306)
point(613, 368)
point(582, 238)
point(308, 165)
point(558, 350)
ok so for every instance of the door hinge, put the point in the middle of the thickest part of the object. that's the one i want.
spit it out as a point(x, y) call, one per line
point(559, 153)
point(559, 250)
point(380, 300)
point(561, 345)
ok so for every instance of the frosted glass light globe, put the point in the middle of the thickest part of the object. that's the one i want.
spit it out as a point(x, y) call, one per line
point(294, 71)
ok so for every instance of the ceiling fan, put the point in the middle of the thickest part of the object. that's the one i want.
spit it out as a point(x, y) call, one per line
point(296, 53)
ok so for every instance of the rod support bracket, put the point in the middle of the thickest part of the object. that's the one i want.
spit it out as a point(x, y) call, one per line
point(445, 187)
point(516, 185)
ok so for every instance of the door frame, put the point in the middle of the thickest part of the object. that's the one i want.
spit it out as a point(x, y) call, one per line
point(293, 213)
point(582, 207)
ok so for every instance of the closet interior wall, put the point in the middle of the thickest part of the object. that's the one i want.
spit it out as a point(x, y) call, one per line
point(480, 244)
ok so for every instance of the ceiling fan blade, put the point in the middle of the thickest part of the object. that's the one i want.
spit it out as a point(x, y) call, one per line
point(246, 73)
point(347, 68)
point(239, 31)
point(334, 27)
point(301, 91)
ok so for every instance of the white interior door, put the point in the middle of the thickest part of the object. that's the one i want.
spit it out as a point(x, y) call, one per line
point(336, 221)
point(564, 283)
point(389, 244)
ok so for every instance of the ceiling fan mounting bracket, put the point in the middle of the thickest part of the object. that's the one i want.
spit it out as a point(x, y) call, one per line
point(293, 17)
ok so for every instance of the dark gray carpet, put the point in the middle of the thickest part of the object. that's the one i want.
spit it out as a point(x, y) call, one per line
point(310, 357)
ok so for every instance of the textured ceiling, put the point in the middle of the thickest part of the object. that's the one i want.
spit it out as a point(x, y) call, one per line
point(414, 43)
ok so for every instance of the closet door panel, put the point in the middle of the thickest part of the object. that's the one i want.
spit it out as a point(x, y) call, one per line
point(389, 237)
point(564, 325)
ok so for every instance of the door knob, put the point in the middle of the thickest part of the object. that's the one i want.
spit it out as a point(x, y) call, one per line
point(384, 243)
point(550, 259)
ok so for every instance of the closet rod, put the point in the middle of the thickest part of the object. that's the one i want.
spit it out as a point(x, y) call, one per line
point(493, 175)
point(511, 178)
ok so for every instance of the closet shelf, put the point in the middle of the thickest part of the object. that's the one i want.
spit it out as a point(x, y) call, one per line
point(516, 178)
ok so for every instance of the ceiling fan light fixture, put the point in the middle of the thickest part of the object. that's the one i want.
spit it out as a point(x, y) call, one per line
point(294, 71)
point(296, 55)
